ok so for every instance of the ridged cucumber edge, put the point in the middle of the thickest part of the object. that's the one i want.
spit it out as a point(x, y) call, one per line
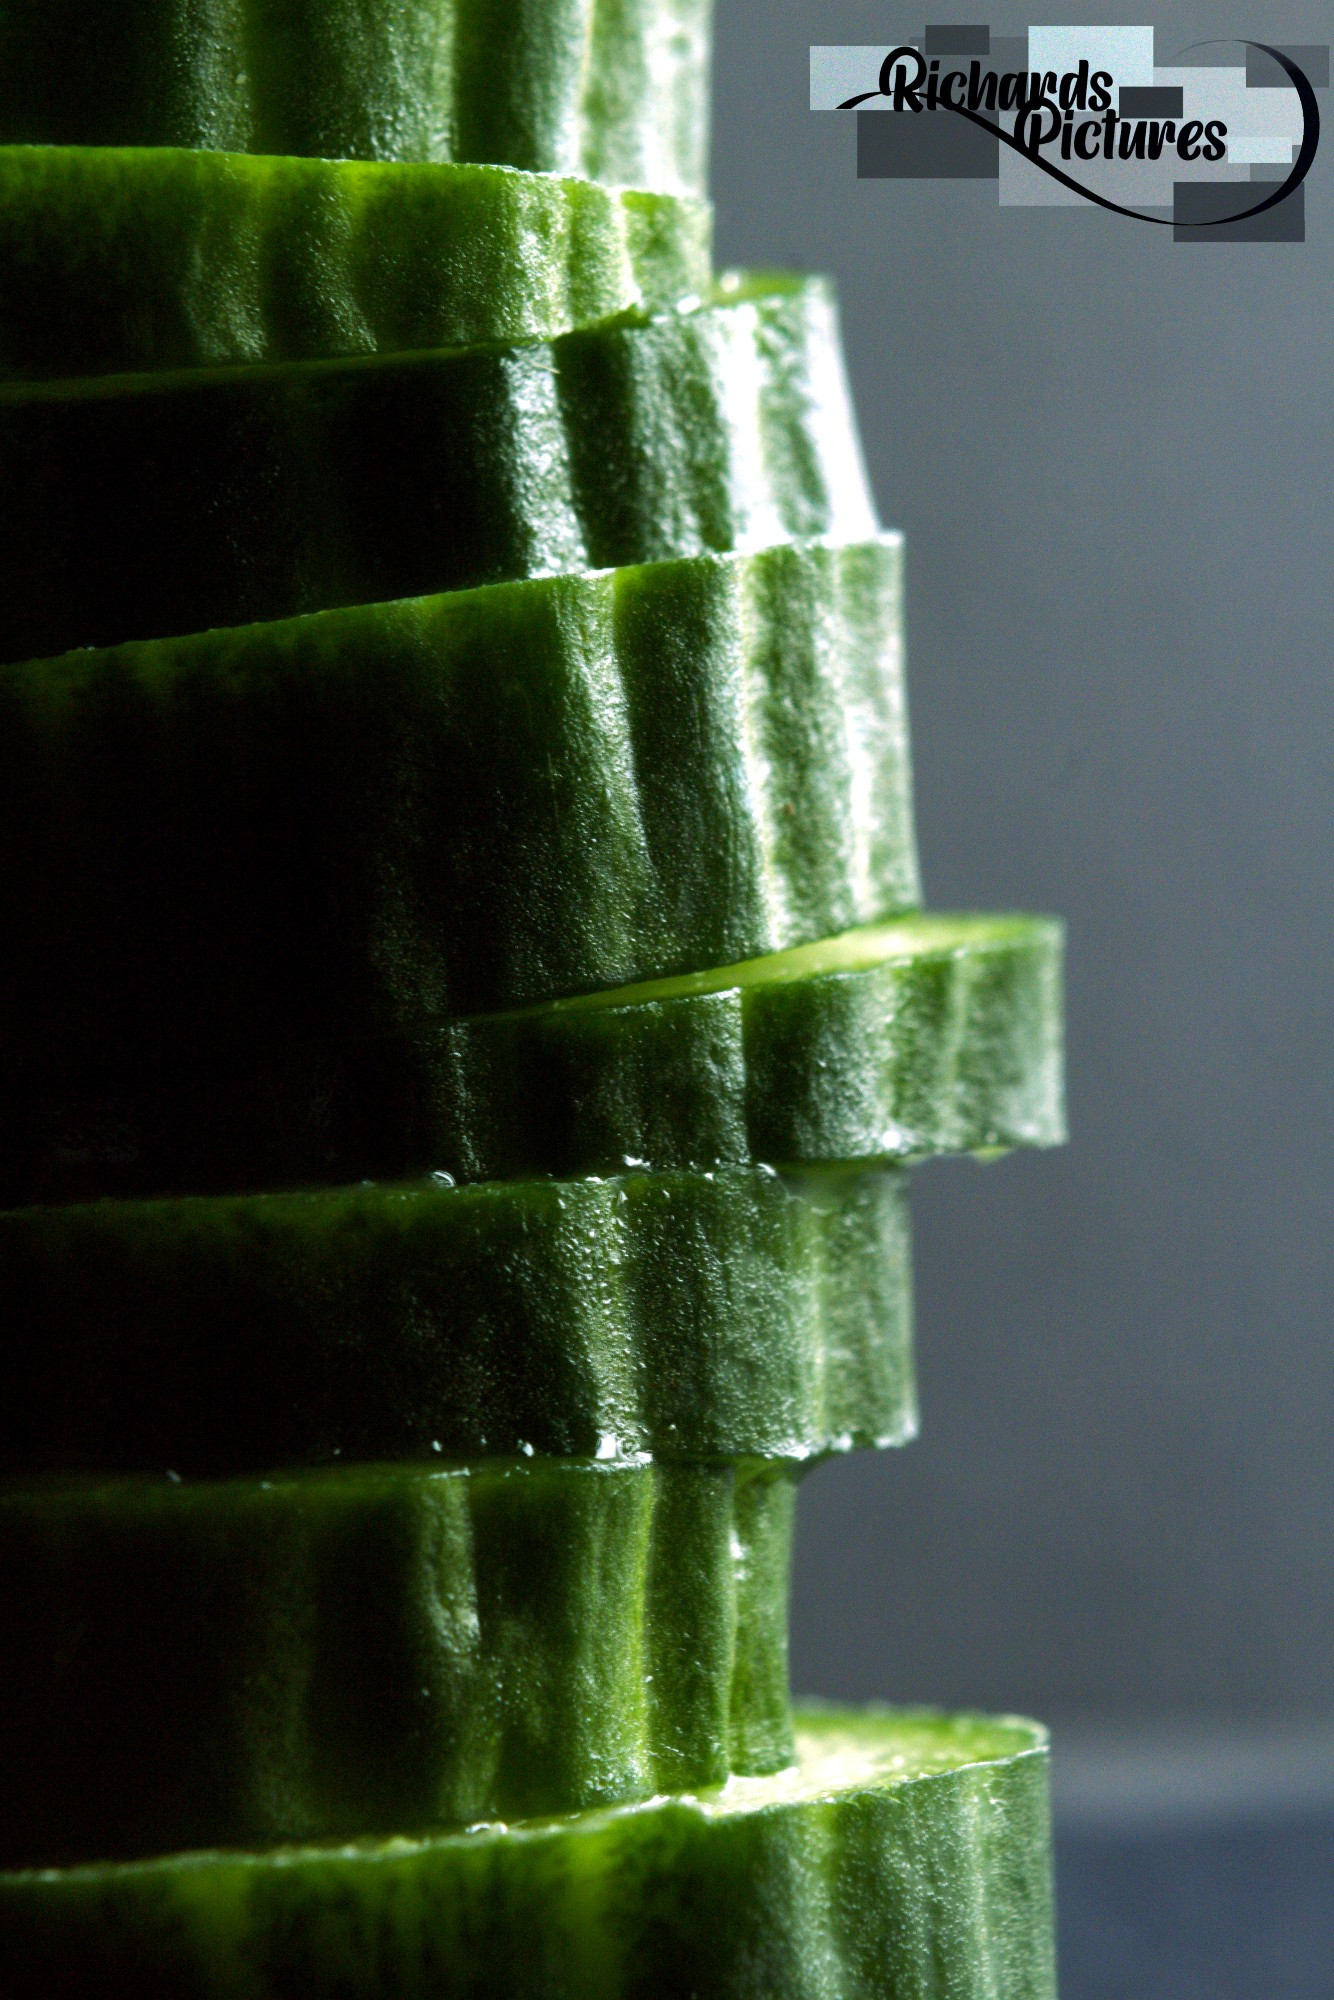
point(694, 1316)
point(926, 1035)
point(149, 505)
point(615, 89)
point(908, 1853)
point(381, 1648)
point(121, 260)
point(453, 804)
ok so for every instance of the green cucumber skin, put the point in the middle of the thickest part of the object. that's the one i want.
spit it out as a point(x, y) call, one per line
point(614, 89)
point(141, 507)
point(953, 1043)
point(344, 825)
point(117, 261)
point(691, 1316)
point(929, 1886)
point(375, 1650)
point(953, 1046)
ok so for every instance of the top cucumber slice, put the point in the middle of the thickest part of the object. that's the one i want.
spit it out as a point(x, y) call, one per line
point(614, 89)
point(906, 1856)
point(119, 260)
point(136, 507)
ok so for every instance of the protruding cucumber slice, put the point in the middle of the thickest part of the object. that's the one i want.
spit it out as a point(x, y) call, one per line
point(613, 88)
point(380, 1650)
point(689, 1315)
point(931, 1034)
point(348, 822)
point(906, 1855)
point(136, 507)
point(117, 260)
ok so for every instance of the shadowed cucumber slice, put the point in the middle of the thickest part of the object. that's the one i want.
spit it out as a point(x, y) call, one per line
point(905, 1857)
point(931, 1034)
point(690, 1315)
point(123, 260)
point(451, 805)
point(617, 89)
point(135, 507)
point(382, 1649)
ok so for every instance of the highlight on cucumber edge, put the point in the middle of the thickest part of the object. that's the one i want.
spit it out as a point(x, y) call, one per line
point(1214, 141)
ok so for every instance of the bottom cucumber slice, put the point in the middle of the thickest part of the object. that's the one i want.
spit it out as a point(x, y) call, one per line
point(379, 1649)
point(696, 1316)
point(905, 1856)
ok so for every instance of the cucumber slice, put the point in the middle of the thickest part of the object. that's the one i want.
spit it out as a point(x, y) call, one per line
point(119, 260)
point(135, 507)
point(382, 1649)
point(613, 88)
point(931, 1034)
point(452, 805)
point(906, 1855)
point(693, 1316)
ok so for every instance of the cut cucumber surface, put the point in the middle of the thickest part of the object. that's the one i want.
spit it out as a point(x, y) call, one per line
point(118, 260)
point(688, 1315)
point(450, 805)
point(378, 1650)
point(931, 1034)
point(138, 507)
point(615, 89)
point(904, 1857)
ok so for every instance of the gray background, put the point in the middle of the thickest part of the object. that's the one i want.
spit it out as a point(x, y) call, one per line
point(1111, 456)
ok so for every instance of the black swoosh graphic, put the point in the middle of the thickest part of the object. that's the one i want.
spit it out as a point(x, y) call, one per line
point(1301, 166)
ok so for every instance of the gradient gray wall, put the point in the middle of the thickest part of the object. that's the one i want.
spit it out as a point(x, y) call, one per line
point(1111, 455)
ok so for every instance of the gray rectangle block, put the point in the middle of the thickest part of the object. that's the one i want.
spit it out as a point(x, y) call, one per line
point(1208, 201)
point(1312, 58)
point(1163, 100)
point(958, 41)
point(924, 146)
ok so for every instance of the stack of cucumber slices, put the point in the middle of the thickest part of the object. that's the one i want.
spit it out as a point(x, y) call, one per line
point(466, 1023)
